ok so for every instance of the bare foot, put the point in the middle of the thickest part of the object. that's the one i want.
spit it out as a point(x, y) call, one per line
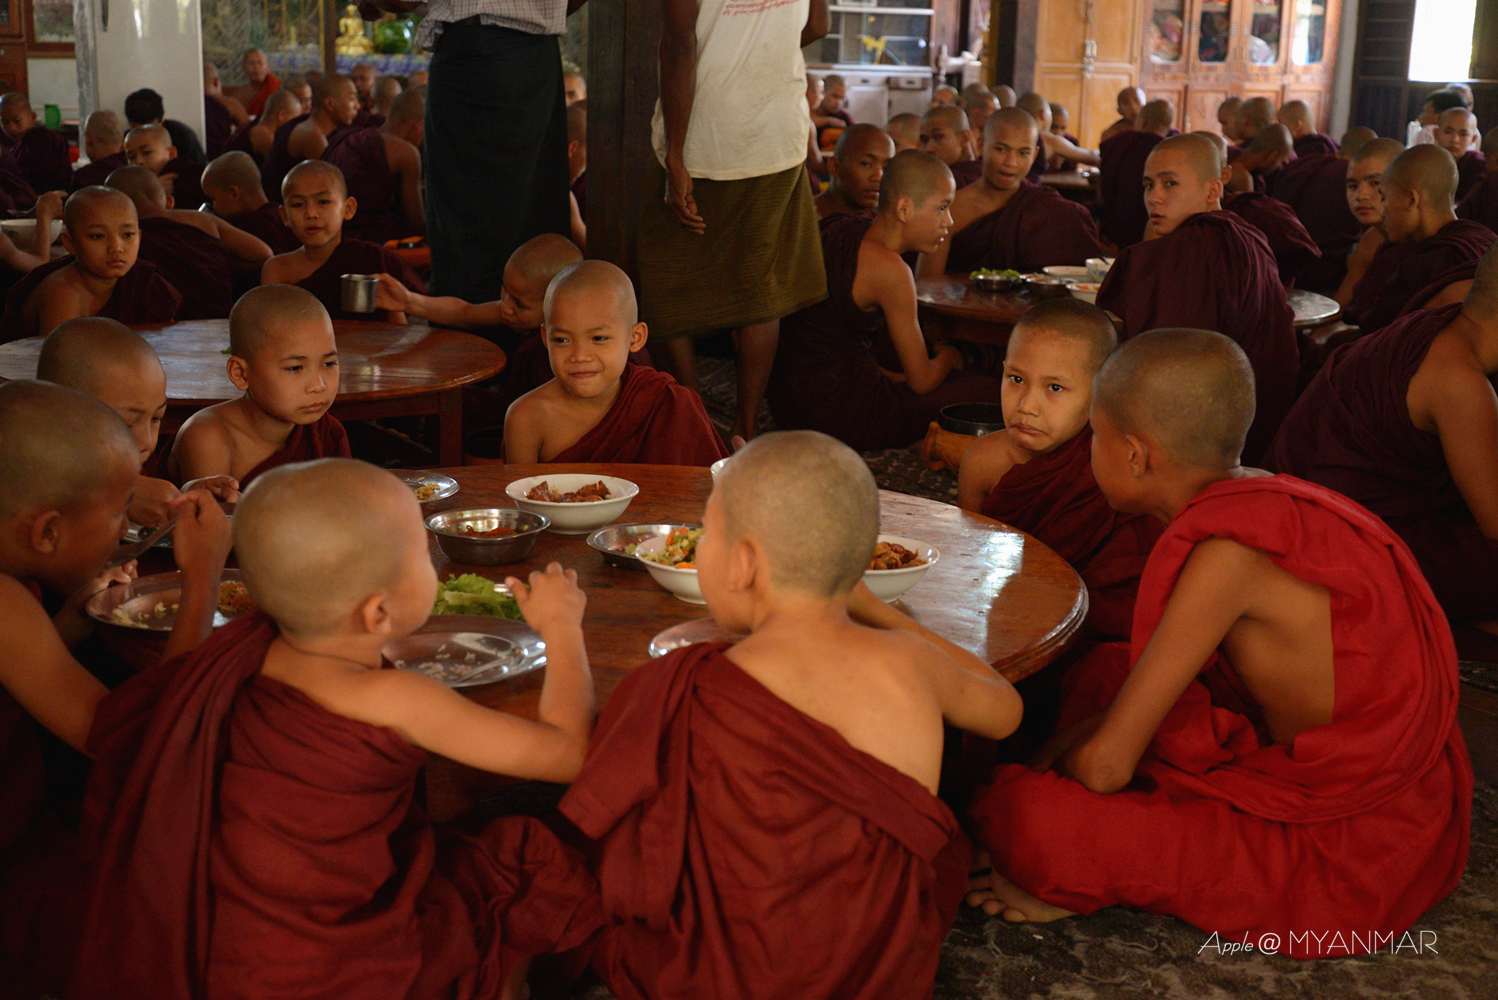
point(999, 896)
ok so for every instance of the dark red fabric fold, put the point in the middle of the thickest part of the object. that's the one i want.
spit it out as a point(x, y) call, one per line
point(98, 171)
point(653, 421)
point(1294, 250)
point(241, 141)
point(1122, 185)
point(265, 225)
point(1315, 188)
point(747, 850)
point(1357, 828)
point(360, 154)
point(1036, 229)
point(1470, 168)
point(356, 257)
point(218, 125)
point(142, 296)
point(1316, 144)
point(15, 189)
point(186, 183)
point(256, 105)
point(966, 172)
point(1481, 202)
point(42, 155)
point(194, 262)
point(323, 438)
point(1401, 270)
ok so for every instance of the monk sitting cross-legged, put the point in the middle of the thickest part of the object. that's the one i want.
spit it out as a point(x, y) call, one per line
point(1122, 179)
point(283, 358)
point(254, 808)
point(765, 815)
point(382, 167)
point(826, 377)
point(316, 204)
point(150, 146)
point(1208, 270)
point(1006, 222)
point(857, 166)
point(1274, 757)
point(1292, 246)
point(102, 277)
point(946, 135)
point(598, 407)
point(231, 184)
point(1036, 473)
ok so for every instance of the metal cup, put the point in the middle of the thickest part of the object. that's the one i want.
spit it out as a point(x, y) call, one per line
point(357, 292)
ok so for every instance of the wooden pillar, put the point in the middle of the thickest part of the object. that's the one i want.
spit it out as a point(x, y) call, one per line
point(623, 83)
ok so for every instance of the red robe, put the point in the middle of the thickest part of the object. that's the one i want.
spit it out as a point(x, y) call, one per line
point(1358, 828)
point(1481, 203)
point(966, 172)
point(653, 421)
point(186, 188)
point(265, 224)
point(42, 155)
point(528, 367)
point(1037, 228)
point(746, 850)
point(1351, 432)
point(194, 262)
point(1292, 246)
point(1215, 272)
point(98, 171)
point(1315, 188)
point(1055, 498)
point(250, 843)
point(1316, 144)
point(360, 154)
point(356, 257)
point(142, 296)
point(1122, 185)
point(323, 438)
point(1470, 168)
point(256, 105)
point(1400, 270)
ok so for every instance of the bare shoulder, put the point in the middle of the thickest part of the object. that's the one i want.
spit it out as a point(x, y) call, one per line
point(401, 153)
point(985, 463)
point(968, 205)
point(279, 270)
point(207, 427)
point(388, 698)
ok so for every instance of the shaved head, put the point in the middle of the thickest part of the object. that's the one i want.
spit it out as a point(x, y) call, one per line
point(156, 133)
point(303, 534)
point(1377, 149)
point(1011, 118)
point(283, 102)
point(84, 353)
point(1272, 139)
point(1156, 116)
point(1355, 139)
point(916, 175)
point(1229, 107)
point(1218, 143)
point(595, 277)
point(105, 128)
point(410, 106)
point(235, 168)
point(1197, 151)
point(311, 168)
point(58, 447)
point(329, 85)
point(809, 503)
point(543, 257)
point(1255, 115)
point(1296, 116)
point(1037, 106)
point(262, 311)
point(386, 89)
point(905, 130)
point(948, 115)
point(1074, 320)
point(1189, 392)
point(83, 203)
point(15, 100)
point(860, 137)
point(1005, 95)
point(143, 186)
point(1426, 169)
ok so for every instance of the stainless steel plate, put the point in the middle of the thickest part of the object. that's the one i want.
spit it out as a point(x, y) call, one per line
point(689, 633)
point(149, 603)
point(423, 482)
point(465, 651)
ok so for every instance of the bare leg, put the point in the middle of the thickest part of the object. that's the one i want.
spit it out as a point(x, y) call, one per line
point(997, 895)
point(756, 355)
point(516, 988)
point(677, 358)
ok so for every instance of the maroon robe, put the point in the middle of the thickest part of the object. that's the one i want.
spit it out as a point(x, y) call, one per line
point(528, 366)
point(218, 125)
point(826, 377)
point(98, 171)
point(360, 154)
point(323, 438)
point(240, 140)
point(142, 296)
point(265, 224)
point(1316, 144)
point(1315, 188)
point(15, 189)
point(746, 850)
point(278, 162)
point(356, 257)
point(1215, 272)
point(1055, 498)
point(187, 185)
point(1036, 229)
point(966, 172)
point(1470, 168)
point(653, 421)
point(1351, 432)
point(1292, 246)
point(1481, 203)
point(194, 262)
point(1122, 185)
point(42, 155)
point(1400, 270)
point(1307, 849)
point(250, 843)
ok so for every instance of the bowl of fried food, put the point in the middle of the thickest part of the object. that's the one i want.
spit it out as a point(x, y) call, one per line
point(898, 564)
point(672, 562)
point(487, 536)
point(575, 503)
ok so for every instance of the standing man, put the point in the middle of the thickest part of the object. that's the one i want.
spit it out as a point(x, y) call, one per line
point(734, 244)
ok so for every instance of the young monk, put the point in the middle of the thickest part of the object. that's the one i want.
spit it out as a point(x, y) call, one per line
point(303, 91)
point(1036, 473)
point(1284, 716)
point(1006, 222)
point(1294, 250)
point(1006, 95)
point(1131, 101)
point(199, 253)
point(67, 468)
point(283, 738)
point(41, 153)
point(946, 135)
point(382, 168)
point(1425, 237)
point(857, 166)
point(104, 145)
point(283, 358)
point(905, 130)
point(826, 720)
point(362, 77)
point(1060, 126)
point(150, 146)
point(335, 105)
point(1314, 188)
point(1227, 118)
point(598, 407)
point(577, 157)
point(826, 377)
point(1121, 185)
point(944, 97)
point(1365, 199)
point(231, 184)
point(316, 204)
point(1258, 166)
point(102, 276)
point(1040, 110)
point(1254, 116)
point(1210, 270)
point(978, 105)
point(145, 107)
point(256, 136)
point(1296, 116)
point(1456, 132)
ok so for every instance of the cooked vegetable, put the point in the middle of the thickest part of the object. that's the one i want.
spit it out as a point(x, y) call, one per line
point(471, 594)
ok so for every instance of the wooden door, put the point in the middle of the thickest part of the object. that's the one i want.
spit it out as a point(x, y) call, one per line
point(1086, 52)
point(12, 21)
point(12, 67)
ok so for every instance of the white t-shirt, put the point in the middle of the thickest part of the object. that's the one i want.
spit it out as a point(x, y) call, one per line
point(749, 114)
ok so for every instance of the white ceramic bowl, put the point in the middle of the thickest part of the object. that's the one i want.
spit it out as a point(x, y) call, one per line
point(1086, 291)
point(889, 584)
point(1068, 272)
point(719, 466)
point(1097, 267)
point(575, 518)
point(22, 231)
point(681, 582)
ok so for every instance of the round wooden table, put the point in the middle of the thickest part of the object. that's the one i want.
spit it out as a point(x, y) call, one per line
point(952, 309)
point(1080, 186)
point(384, 371)
point(1313, 309)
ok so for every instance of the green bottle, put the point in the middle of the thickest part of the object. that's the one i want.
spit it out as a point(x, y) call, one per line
point(52, 116)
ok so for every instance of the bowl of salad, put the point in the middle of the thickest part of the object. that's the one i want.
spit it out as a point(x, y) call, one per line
point(672, 562)
point(986, 279)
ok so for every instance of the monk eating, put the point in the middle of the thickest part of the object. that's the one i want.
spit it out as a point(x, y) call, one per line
point(1036, 473)
point(282, 738)
point(598, 407)
point(150, 146)
point(316, 205)
point(382, 168)
point(945, 134)
point(1314, 188)
point(1123, 156)
point(231, 184)
point(41, 153)
point(1296, 116)
point(102, 276)
point(67, 468)
point(1005, 221)
point(1131, 101)
point(905, 130)
point(335, 105)
point(826, 720)
point(1258, 166)
point(199, 253)
point(104, 145)
point(1284, 715)
point(1456, 132)
point(1234, 282)
point(857, 167)
point(826, 377)
point(1294, 250)
point(284, 361)
point(256, 136)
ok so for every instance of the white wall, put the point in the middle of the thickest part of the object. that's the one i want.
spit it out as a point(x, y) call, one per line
point(149, 43)
point(53, 81)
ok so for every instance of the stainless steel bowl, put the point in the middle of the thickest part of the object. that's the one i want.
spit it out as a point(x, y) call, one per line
point(1043, 287)
point(471, 550)
point(611, 541)
point(995, 282)
point(971, 418)
point(356, 292)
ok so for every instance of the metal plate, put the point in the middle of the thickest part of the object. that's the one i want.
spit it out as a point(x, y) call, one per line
point(446, 485)
point(136, 533)
point(464, 651)
point(689, 633)
point(148, 604)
